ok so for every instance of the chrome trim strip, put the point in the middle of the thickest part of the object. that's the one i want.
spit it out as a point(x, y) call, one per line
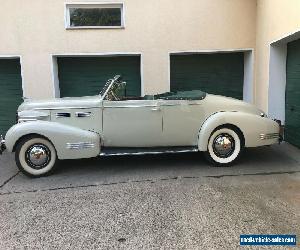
point(179, 104)
point(80, 145)
point(269, 136)
point(195, 103)
point(170, 151)
point(83, 114)
point(149, 106)
point(33, 116)
point(66, 107)
point(130, 106)
point(26, 120)
point(110, 106)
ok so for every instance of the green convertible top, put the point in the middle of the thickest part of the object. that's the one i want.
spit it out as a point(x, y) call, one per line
point(182, 95)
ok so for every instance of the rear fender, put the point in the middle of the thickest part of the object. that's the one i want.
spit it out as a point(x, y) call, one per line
point(69, 142)
point(251, 126)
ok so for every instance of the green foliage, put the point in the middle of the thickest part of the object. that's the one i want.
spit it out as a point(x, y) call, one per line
point(95, 17)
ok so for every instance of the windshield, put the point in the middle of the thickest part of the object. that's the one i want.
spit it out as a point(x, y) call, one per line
point(114, 89)
point(116, 92)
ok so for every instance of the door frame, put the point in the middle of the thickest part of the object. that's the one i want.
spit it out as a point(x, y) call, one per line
point(277, 75)
point(148, 107)
point(22, 72)
point(248, 83)
point(54, 66)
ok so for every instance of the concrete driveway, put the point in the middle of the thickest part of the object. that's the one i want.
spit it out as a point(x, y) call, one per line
point(151, 202)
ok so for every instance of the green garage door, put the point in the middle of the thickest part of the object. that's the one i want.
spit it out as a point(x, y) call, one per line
point(292, 102)
point(220, 73)
point(10, 92)
point(84, 76)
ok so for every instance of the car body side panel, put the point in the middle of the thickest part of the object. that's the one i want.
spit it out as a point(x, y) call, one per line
point(69, 142)
point(252, 126)
point(84, 118)
point(134, 123)
point(181, 121)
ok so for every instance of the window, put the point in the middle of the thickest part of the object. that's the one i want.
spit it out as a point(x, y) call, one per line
point(80, 16)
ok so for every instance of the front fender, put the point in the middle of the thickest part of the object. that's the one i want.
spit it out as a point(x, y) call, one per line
point(252, 126)
point(69, 142)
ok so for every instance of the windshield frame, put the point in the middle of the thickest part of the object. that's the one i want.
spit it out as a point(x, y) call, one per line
point(108, 85)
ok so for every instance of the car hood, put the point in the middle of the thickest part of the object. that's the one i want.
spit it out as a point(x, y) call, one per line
point(58, 103)
point(221, 103)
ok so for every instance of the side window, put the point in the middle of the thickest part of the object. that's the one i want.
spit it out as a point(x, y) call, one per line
point(87, 16)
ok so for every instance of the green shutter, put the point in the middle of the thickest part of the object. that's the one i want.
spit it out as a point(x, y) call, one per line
point(292, 103)
point(219, 73)
point(84, 76)
point(10, 92)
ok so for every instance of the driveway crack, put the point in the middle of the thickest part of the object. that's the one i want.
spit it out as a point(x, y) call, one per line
point(251, 174)
point(137, 181)
point(8, 180)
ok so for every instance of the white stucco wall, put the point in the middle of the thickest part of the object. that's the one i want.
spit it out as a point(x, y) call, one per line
point(277, 23)
point(35, 30)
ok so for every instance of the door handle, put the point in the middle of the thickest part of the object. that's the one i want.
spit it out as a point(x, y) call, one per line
point(155, 109)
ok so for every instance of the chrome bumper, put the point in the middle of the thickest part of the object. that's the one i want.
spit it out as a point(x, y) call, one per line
point(2, 145)
point(278, 136)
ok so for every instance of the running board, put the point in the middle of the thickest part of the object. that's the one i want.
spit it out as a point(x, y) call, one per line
point(146, 151)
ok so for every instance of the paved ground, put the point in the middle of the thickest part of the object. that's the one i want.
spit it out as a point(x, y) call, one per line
point(146, 202)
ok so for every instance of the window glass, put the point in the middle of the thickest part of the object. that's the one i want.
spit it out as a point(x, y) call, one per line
point(95, 17)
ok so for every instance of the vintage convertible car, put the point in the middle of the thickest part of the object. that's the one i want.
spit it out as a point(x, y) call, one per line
point(113, 123)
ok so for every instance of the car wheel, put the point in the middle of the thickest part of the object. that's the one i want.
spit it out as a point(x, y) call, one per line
point(224, 146)
point(35, 156)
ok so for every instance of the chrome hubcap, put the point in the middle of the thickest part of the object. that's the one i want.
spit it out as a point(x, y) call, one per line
point(38, 156)
point(223, 145)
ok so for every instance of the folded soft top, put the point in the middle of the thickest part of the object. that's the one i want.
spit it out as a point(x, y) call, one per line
point(182, 95)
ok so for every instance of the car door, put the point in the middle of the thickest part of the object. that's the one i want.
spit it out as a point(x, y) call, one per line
point(182, 120)
point(132, 123)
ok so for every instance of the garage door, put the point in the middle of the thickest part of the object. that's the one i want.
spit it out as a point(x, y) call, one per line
point(220, 73)
point(292, 105)
point(83, 76)
point(10, 92)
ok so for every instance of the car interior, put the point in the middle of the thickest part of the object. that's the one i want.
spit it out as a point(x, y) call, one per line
point(118, 92)
point(176, 95)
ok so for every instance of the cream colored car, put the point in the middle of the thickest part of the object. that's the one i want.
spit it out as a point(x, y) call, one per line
point(112, 123)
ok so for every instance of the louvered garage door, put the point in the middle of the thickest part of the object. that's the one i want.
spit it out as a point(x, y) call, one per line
point(219, 73)
point(10, 92)
point(83, 76)
point(292, 102)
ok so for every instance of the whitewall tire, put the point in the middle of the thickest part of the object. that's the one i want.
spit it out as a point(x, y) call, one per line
point(224, 146)
point(35, 156)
